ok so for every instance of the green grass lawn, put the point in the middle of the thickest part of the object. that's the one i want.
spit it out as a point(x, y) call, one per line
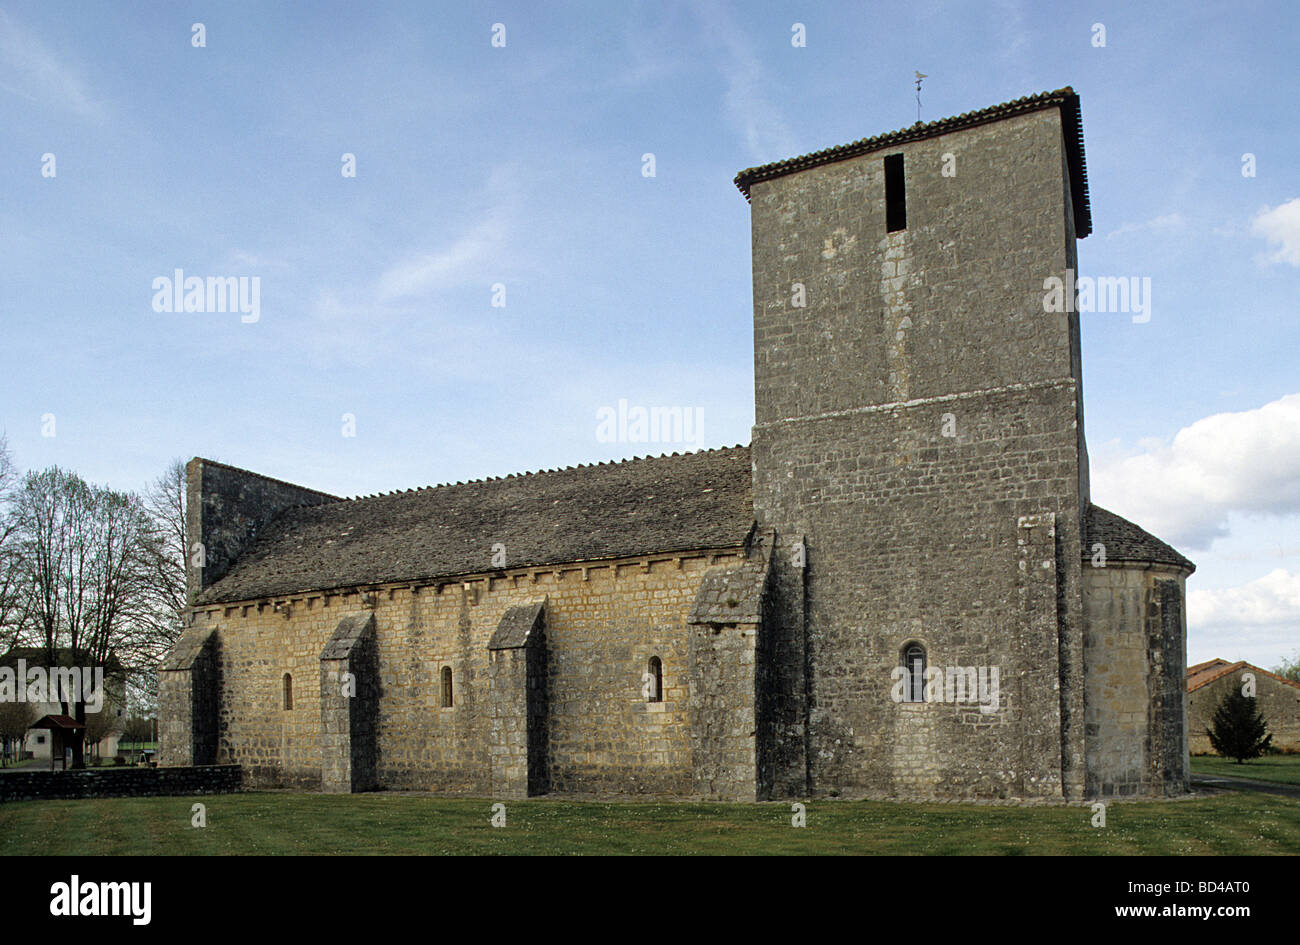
point(1283, 768)
point(271, 824)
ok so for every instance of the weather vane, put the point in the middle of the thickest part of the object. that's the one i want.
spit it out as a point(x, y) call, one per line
point(919, 77)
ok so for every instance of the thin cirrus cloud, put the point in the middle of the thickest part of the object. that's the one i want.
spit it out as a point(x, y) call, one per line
point(468, 258)
point(31, 70)
point(767, 134)
point(1168, 221)
point(1280, 225)
point(474, 257)
point(1184, 489)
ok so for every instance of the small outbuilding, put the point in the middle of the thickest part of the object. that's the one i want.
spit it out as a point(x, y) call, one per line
point(63, 730)
point(1277, 698)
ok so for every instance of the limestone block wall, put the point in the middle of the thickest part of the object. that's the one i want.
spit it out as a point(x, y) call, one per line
point(189, 699)
point(349, 694)
point(518, 739)
point(605, 620)
point(912, 536)
point(224, 507)
point(508, 711)
point(1135, 653)
point(909, 415)
point(723, 729)
point(781, 677)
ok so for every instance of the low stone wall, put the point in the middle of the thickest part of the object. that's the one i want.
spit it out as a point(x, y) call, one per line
point(120, 782)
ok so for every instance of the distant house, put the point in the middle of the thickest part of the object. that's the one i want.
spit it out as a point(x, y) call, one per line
point(1278, 700)
point(39, 740)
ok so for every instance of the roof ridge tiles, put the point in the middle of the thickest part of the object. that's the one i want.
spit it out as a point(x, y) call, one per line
point(549, 470)
point(1064, 98)
point(574, 513)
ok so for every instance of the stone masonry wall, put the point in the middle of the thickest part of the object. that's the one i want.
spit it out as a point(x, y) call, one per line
point(224, 507)
point(120, 782)
point(781, 678)
point(189, 693)
point(723, 721)
point(908, 418)
point(349, 694)
point(604, 621)
point(1135, 653)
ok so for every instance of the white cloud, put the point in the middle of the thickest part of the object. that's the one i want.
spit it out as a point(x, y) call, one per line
point(1184, 490)
point(482, 254)
point(402, 305)
point(33, 71)
point(468, 257)
point(767, 135)
point(1281, 225)
point(1168, 221)
point(242, 262)
point(1258, 621)
point(1272, 600)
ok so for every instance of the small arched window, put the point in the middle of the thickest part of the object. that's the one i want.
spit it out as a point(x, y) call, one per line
point(914, 673)
point(446, 687)
point(655, 680)
point(288, 692)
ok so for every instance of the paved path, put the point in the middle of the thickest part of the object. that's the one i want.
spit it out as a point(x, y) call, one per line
point(1246, 784)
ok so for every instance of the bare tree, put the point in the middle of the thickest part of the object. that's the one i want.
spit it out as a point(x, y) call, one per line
point(138, 728)
point(99, 725)
point(15, 719)
point(84, 556)
point(11, 616)
point(93, 571)
point(162, 619)
point(164, 500)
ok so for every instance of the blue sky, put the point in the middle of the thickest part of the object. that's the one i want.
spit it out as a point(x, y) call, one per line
point(522, 165)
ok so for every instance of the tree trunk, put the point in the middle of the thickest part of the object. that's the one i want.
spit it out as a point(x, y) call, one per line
point(78, 739)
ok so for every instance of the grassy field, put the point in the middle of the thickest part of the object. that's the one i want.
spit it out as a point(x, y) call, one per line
point(1281, 768)
point(277, 824)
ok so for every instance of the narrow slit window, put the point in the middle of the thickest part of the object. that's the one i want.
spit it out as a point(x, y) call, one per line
point(914, 673)
point(655, 680)
point(895, 194)
point(446, 687)
point(288, 692)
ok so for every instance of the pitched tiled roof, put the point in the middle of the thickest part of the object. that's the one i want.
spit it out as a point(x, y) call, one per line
point(61, 722)
point(1065, 99)
point(653, 505)
point(1202, 674)
point(1124, 541)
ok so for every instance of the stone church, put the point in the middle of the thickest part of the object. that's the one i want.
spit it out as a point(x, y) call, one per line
point(900, 588)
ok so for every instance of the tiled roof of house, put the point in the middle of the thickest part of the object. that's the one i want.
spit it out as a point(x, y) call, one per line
point(1125, 541)
point(1202, 674)
point(651, 505)
point(59, 722)
point(1065, 99)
